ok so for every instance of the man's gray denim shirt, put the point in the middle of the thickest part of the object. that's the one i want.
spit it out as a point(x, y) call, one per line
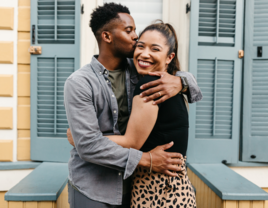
point(97, 165)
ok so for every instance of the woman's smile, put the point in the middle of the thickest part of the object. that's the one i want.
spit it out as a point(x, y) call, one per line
point(144, 64)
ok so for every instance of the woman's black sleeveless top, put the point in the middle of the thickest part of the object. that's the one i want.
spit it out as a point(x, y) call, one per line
point(171, 124)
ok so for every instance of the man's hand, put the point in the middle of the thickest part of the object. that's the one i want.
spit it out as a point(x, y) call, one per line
point(162, 162)
point(70, 137)
point(165, 87)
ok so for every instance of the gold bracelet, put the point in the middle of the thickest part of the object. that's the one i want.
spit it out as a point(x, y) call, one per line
point(151, 166)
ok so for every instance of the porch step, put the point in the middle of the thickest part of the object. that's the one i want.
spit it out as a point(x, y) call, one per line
point(45, 183)
point(18, 165)
point(226, 183)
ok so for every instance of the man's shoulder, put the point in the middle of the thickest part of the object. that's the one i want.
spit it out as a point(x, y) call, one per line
point(83, 77)
point(84, 73)
point(188, 75)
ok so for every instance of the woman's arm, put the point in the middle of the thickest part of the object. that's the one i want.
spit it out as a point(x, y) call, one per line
point(141, 122)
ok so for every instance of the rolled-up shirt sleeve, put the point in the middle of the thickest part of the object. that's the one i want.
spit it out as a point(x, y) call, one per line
point(89, 141)
point(194, 93)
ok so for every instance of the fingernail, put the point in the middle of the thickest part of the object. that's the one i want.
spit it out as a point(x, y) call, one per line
point(141, 87)
point(141, 94)
point(153, 103)
point(144, 99)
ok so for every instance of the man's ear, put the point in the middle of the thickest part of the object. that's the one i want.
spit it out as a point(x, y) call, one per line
point(170, 57)
point(106, 36)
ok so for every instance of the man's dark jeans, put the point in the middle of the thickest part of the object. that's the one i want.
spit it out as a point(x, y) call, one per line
point(78, 200)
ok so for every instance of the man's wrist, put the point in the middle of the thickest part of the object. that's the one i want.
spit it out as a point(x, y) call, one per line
point(179, 84)
point(145, 160)
point(184, 91)
point(184, 84)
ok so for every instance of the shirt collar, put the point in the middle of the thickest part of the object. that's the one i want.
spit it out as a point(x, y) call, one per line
point(99, 68)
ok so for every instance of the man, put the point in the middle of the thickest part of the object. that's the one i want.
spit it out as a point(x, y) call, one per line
point(98, 100)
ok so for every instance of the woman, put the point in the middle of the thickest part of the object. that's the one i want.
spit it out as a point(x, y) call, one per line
point(152, 125)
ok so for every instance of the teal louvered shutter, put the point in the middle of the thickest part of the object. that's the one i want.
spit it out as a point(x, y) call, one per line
point(215, 39)
point(255, 99)
point(56, 28)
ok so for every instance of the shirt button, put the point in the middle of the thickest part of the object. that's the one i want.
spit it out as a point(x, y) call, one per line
point(107, 81)
point(114, 111)
point(112, 95)
point(105, 72)
point(119, 173)
point(100, 72)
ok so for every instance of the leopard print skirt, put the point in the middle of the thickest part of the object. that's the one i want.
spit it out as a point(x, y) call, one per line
point(157, 190)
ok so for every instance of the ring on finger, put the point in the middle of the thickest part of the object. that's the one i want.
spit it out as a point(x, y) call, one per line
point(159, 94)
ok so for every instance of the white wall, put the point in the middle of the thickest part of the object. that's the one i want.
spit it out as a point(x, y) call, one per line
point(10, 35)
point(144, 12)
point(174, 12)
point(257, 175)
point(9, 178)
point(89, 45)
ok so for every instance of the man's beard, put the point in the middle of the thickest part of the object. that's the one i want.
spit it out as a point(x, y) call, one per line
point(123, 54)
point(130, 55)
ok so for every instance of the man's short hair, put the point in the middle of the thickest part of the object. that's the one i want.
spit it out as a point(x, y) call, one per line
point(103, 16)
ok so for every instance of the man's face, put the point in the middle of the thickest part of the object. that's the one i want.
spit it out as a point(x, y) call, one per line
point(124, 36)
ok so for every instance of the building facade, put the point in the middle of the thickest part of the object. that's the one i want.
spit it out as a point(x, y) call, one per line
point(222, 42)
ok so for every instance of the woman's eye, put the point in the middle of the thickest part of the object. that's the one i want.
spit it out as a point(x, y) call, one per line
point(155, 49)
point(140, 46)
point(128, 31)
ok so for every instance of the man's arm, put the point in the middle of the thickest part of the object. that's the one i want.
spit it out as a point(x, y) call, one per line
point(89, 141)
point(168, 86)
point(93, 147)
point(163, 162)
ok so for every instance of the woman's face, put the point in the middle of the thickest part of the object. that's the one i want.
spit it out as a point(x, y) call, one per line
point(151, 53)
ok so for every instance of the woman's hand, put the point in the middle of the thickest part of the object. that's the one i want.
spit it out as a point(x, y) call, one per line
point(165, 87)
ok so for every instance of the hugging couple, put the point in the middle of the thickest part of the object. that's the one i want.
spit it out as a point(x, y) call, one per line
point(128, 118)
